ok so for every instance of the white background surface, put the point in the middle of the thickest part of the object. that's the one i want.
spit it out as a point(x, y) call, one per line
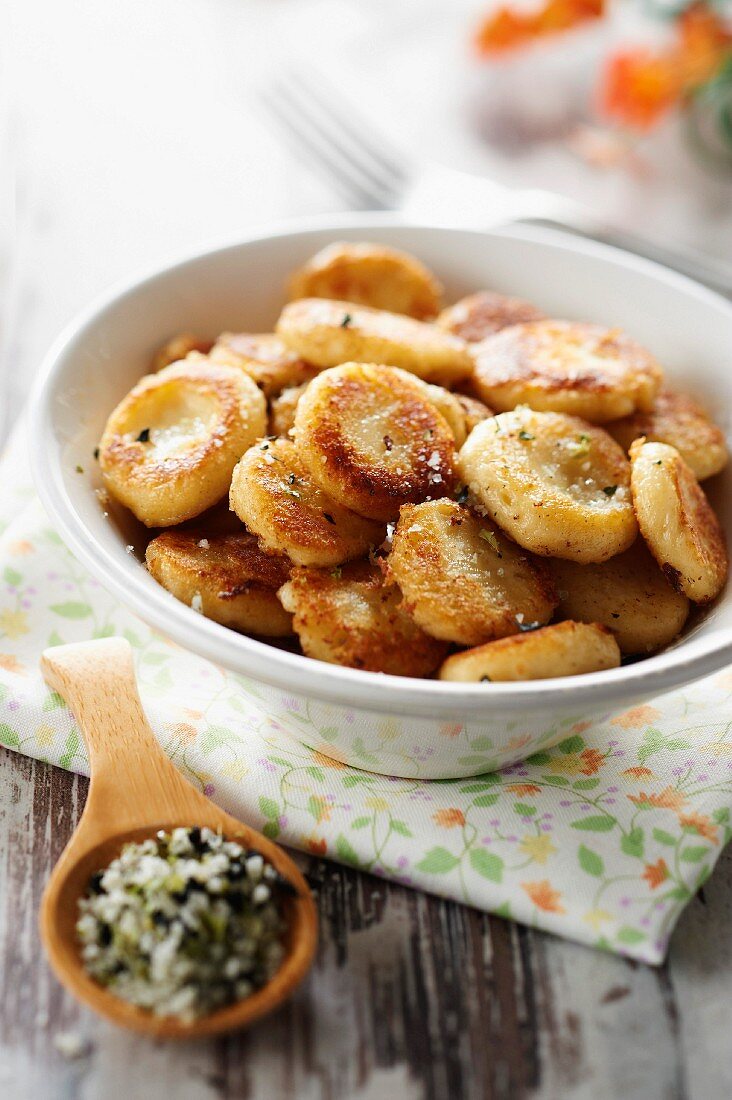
point(137, 135)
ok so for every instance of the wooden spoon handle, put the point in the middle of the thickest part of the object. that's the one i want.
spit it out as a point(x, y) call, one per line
point(132, 778)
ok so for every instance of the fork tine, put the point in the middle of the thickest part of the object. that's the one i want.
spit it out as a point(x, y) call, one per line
point(347, 124)
point(319, 154)
point(323, 156)
point(321, 129)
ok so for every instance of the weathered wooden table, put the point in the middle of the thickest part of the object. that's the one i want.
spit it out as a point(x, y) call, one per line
point(411, 997)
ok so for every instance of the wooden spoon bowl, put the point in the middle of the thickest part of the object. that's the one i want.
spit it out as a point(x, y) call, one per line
point(135, 791)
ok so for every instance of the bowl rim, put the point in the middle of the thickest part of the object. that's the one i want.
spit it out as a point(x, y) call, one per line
point(689, 660)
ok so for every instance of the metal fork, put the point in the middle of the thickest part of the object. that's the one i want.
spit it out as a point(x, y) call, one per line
point(369, 174)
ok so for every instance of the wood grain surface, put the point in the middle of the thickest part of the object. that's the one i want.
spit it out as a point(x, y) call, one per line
point(411, 997)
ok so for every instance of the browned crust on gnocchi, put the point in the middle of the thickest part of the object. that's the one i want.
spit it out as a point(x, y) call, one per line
point(678, 420)
point(328, 333)
point(353, 617)
point(462, 580)
point(566, 366)
point(265, 358)
point(177, 348)
point(234, 581)
point(677, 521)
point(482, 314)
point(370, 275)
point(372, 441)
point(169, 448)
point(273, 493)
point(564, 649)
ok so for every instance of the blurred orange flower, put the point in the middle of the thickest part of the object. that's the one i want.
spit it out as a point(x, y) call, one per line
point(449, 818)
point(656, 873)
point(523, 789)
point(317, 846)
point(637, 773)
point(636, 717)
point(701, 824)
point(328, 761)
point(544, 896)
point(667, 799)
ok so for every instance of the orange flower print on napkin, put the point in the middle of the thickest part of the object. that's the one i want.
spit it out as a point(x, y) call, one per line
point(524, 790)
point(449, 818)
point(21, 548)
point(544, 896)
point(701, 824)
point(656, 873)
point(11, 664)
point(317, 846)
point(451, 729)
point(667, 799)
point(638, 773)
point(636, 717)
point(586, 762)
point(184, 730)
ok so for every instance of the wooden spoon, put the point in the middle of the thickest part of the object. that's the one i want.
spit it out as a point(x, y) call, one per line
point(136, 790)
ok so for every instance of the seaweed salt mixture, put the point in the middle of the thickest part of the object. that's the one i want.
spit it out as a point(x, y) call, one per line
point(184, 923)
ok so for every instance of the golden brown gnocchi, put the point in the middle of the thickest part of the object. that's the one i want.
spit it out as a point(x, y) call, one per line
point(391, 516)
point(225, 577)
point(352, 616)
point(481, 315)
point(628, 594)
point(678, 420)
point(264, 357)
point(328, 333)
point(677, 521)
point(565, 649)
point(462, 580)
point(372, 441)
point(274, 495)
point(564, 366)
point(369, 275)
point(557, 485)
point(170, 446)
point(180, 347)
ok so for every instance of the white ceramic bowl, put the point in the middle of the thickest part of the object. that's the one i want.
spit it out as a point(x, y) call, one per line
point(415, 728)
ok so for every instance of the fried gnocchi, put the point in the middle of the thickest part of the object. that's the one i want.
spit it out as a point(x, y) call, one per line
point(369, 275)
point(477, 493)
point(353, 617)
point(628, 594)
point(677, 521)
point(274, 495)
point(225, 577)
point(264, 357)
point(565, 649)
point(462, 580)
point(328, 333)
point(170, 446)
point(557, 485)
point(564, 366)
point(372, 441)
point(678, 420)
point(481, 315)
point(180, 347)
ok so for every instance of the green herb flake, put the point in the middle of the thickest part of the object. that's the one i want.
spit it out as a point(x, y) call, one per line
point(580, 446)
point(462, 495)
point(79, 469)
point(346, 320)
point(526, 435)
point(144, 436)
point(96, 453)
point(610, 490)
point(491, 538)
point(336, 573)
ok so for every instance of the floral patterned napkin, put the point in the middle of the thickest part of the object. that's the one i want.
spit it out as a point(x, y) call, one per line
point(604, 839)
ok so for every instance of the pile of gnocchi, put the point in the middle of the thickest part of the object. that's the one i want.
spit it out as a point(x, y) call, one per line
point(477, 493)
